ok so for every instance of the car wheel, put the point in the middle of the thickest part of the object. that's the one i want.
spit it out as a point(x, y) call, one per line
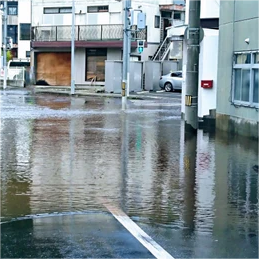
point(168, 87)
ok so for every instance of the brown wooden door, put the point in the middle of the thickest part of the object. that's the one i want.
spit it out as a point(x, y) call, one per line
point(54, 68)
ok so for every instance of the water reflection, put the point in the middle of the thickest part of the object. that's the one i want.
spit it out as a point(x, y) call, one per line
point(194, 190)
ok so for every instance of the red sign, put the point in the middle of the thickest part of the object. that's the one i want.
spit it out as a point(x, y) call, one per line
point(207, 84)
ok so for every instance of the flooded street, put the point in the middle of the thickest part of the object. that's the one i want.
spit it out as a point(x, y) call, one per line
point(64, 159)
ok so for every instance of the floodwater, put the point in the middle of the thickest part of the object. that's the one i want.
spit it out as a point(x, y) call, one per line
point(63, 159)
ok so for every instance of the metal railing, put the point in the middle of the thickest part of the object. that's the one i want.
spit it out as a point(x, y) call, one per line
point(103, 32)
point(162, 50)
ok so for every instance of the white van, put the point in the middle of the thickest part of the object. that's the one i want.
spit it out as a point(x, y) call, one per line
point(16, 68)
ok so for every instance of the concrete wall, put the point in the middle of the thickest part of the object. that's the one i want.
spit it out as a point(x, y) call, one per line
point(238, 21)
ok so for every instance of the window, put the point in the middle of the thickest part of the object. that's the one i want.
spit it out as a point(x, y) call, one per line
point(56, 10)
point(65, 10)
point(245, 79)
point(98, 9)
point(176, 74)
point(157, 21)
point(12, 10)
point(25, 31)
point(177, 16)
point(12, 31)
point(95, 64)
point(27, 54)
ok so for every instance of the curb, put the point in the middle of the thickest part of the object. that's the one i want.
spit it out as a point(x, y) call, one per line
point(135, 96)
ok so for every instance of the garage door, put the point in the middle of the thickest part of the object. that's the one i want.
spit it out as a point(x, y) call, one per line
point(54, 68)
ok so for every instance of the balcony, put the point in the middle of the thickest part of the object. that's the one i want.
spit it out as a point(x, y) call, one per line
point(110, 35)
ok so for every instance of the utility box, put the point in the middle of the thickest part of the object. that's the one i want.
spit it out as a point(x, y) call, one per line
point(141, 21)
point(208, 84)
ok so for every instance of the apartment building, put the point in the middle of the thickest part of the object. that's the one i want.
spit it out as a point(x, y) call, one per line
point(19, 26)
point(98, 36)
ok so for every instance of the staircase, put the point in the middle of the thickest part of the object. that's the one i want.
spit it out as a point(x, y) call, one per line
point(162, 50)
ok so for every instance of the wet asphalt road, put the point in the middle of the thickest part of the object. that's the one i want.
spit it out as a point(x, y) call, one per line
point(63, 158)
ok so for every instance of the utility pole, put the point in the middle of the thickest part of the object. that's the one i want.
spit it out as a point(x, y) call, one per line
point(126, 51)
point(73, 49)
point(5, 46)
point(192, 68)
point(129, 49)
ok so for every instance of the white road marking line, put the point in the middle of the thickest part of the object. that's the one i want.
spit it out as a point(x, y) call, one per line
point(138, 233)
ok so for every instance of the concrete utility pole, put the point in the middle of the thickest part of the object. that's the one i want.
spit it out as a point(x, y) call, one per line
point(73, 49)
point(126, 53)
point(5, 45)
point(192, 68)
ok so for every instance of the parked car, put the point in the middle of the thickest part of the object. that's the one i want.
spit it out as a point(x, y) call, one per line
point(171, 81)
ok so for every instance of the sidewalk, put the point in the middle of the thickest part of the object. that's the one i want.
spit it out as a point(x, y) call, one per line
point(98, 91)
point(92, 91)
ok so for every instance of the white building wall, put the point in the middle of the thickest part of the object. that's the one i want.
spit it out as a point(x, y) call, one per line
point(24, 16)
point(208, 60)
point(208, 64)
point(184, 77)
point(114, 16)
point(209, 9)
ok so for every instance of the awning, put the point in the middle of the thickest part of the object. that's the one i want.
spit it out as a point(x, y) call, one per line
point(172, 7)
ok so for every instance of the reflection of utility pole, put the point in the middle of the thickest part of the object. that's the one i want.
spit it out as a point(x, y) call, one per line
point(5, 45)
point(192, 69)
point(124, 158)
point(190, 156)
point(126, 51)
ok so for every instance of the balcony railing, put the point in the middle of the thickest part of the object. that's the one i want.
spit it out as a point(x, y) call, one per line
point(84, 33)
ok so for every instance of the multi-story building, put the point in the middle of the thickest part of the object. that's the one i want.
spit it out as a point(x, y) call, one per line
point(19, 26)
point(98, 36)
point(238, 65)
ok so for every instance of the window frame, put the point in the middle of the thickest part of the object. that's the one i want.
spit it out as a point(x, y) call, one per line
point(94, 52)
point(157, 21)
point(177, 13)
point(16, 9)
point(58, 10)
point(251, 67)
point(20, 34)
point(27, 54)
point(98, 7)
